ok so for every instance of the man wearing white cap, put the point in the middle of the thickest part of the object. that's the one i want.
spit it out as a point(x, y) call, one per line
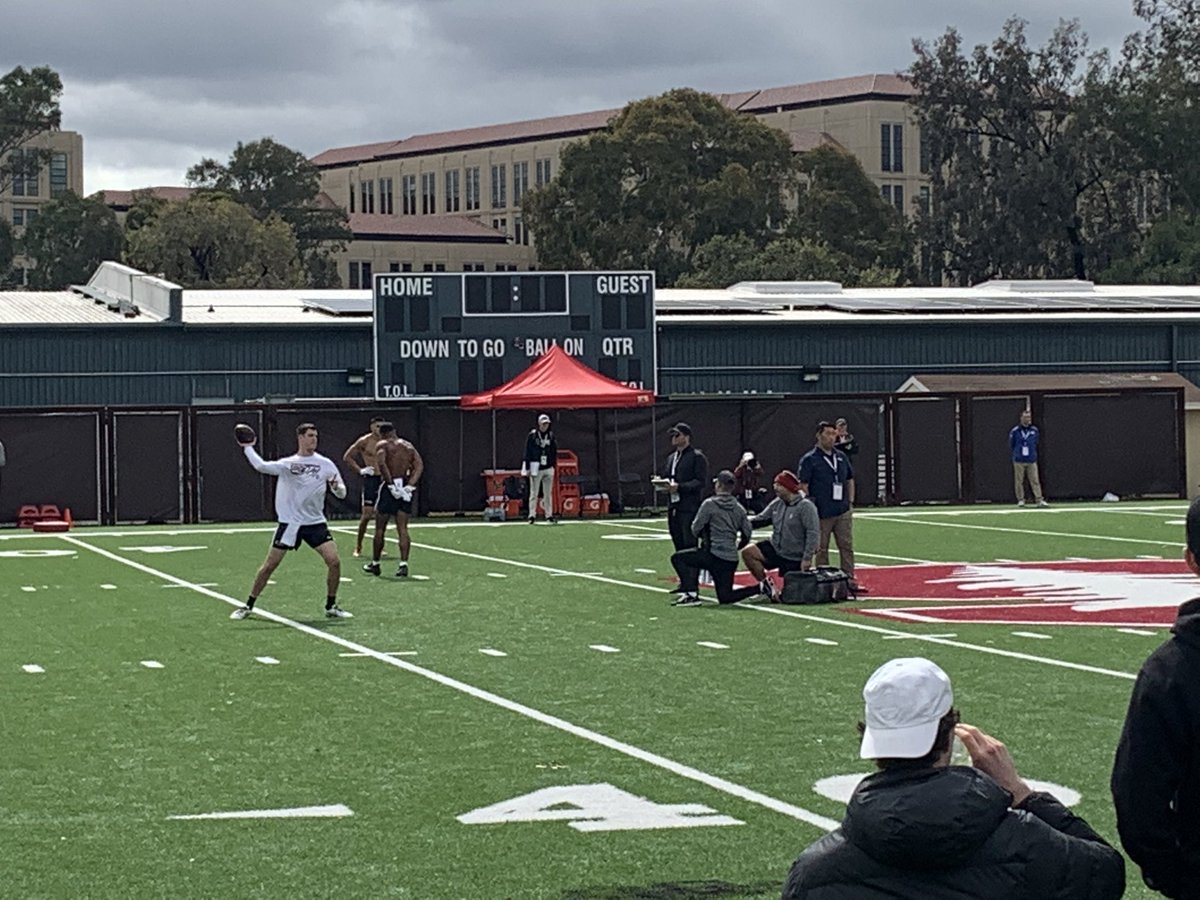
point(541, 452)
point(921, 828)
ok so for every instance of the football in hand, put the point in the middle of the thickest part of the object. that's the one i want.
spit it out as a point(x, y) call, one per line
point(244, 434)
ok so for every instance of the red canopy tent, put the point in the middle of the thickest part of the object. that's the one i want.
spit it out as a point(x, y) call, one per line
point(558, 380)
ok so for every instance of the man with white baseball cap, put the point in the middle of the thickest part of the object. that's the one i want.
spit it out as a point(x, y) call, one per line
point(541, 453)
point(924, 829)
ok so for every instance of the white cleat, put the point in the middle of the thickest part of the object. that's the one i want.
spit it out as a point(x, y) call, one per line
point(336, 612)
point(240, 613)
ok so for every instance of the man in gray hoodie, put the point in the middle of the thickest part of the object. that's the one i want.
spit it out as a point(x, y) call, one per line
point(795, 535)
point(722, 528)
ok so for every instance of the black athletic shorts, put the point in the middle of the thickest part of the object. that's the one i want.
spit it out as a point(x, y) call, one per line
point(371, 485)
point(313, 535)
point(387, 505)
point(772, 559)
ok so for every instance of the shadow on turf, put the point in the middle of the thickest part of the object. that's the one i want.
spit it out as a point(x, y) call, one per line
point(675, 890)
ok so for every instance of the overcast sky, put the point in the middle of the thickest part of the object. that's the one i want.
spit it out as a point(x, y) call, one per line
point(155, 86)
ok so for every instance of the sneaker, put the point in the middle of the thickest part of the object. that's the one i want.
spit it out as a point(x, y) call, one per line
point(371, 568)
point(767, 588)
point(1020, 503)
point(688, 600)
point(357, 552)
point(1043, 503)
point(402, 570)
point(240, 613)
point(858, 588)
point(336, 612)
point(532, 519)
point(551, 521)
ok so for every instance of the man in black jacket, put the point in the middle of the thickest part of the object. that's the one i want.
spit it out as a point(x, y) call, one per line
point(541, 453)
point(1156, 777)
point(686, 475)
point(923, 829)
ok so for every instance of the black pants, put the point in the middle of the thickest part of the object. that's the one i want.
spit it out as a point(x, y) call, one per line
point(688, 563)
point(679, 522)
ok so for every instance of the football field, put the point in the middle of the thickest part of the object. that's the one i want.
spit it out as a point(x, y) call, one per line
point(526, 715)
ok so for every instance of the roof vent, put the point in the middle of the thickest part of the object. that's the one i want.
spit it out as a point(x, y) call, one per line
point(1063, 286)
point(786, 288)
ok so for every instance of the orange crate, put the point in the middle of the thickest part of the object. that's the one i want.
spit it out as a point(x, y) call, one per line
point(595, 505)
point(570, 505)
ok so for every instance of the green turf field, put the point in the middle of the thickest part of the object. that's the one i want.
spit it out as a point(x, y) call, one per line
point(675, 749)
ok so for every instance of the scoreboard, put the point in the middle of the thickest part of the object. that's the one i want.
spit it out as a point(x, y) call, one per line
point(441, 335)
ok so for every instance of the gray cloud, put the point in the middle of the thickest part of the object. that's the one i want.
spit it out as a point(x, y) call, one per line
point(155, 86)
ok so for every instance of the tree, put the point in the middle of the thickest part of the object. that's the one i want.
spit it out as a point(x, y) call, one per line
point(212, 241)
point(8, 247)
point(840, 206)
point(28, 109)
point(1027, 178)
point(70, 237)
point(669, 174)
point(1156, 100)
point(271, 179)
point(1169, 254)
point(726, 260)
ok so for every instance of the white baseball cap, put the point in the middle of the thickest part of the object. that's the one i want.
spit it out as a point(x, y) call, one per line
point(905, 700)
point(543, 418)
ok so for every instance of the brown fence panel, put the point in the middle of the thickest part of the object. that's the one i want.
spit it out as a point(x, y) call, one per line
point(1128, 444)
point(925, 444)
point(227, 488)
point(52, 458)
point(987, 457)
point(149, 472)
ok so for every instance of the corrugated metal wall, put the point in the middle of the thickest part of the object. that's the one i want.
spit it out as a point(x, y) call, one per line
point(151, 364)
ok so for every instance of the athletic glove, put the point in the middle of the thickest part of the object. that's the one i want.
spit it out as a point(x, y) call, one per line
point(396, 490)
point(406, 494)
point(367, 470)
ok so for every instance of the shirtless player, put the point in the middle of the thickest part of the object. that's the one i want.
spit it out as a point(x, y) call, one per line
point(361, 455)
point(400, 466)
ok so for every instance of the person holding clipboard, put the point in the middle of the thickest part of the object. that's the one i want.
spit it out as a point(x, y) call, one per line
point(541, 452)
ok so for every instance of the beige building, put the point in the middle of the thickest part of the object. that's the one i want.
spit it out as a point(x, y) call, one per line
point(23, 198)
point(477, 176)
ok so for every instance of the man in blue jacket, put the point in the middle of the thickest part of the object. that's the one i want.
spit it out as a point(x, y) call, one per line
point(1023, 441)
point(922, 829)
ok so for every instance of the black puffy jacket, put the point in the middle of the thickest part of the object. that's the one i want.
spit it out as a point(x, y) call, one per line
point(948, 832)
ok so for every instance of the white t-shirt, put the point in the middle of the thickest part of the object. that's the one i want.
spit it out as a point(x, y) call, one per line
point(300, 490)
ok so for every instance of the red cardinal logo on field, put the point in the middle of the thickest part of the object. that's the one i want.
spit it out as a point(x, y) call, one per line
point(1127, 592)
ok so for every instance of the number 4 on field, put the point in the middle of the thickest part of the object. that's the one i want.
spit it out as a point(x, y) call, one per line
point(596, 807)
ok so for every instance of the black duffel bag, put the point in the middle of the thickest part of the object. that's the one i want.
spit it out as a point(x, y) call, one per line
point(820, 585)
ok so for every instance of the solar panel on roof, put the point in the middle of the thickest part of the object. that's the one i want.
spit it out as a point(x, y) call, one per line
point(339, 306)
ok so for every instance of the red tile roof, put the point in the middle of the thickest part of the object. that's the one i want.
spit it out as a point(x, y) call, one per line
point(797, 95)
point(367, 226)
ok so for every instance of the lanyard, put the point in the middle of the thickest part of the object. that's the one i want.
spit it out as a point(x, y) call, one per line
point(675, 461)
point(832, 462)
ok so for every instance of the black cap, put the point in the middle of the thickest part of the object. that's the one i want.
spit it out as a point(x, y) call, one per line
point(725, 479)
point(680, 428)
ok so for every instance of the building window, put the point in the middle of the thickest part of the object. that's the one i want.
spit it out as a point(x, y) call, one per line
point(894, 194)
point(360, 274)
point(520, 232)
point(924, 154)
point(408, 195)
point(58, 174)
point(452, 180)
point(434, 267)
point(24, 185)
point(386, 203)
point(352, 193)
point(500, 224)
point(891, 147)
point(428, 193)
point(472, 267)
point(366, 196)
point(925, 200)
point(506, 267)
point(473, 193)
point(499, 187)
point(520, 181)
point(23, 215)
point(543, 171)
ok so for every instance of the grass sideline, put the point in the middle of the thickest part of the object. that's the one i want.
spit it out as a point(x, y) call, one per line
point(590, 679)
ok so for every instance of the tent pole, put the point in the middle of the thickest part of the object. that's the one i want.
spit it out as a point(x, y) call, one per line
point(460, 463)
point(493, 439)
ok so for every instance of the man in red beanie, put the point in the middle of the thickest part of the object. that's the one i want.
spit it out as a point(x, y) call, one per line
point(795, 534)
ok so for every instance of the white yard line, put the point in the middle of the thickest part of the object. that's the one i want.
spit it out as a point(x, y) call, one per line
point(715, 782)
point(1057, 534)
point(776, 610)
point(33, 669)
point(713, 645)
point(822, 641)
